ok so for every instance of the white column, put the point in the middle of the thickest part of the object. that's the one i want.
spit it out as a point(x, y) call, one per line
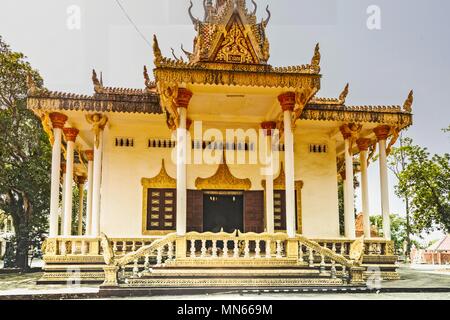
point(80, 181)
point(270, 223)
point(290, 183)
point(56, 176)
point(181, 173)
point(363, 146)
point(70, 134)
point(349, 205)
point(96, 184)
point(63, 197)
point(384, 184)
point(90, 157)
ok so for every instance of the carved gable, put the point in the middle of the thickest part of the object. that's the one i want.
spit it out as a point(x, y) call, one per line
point(234, 45)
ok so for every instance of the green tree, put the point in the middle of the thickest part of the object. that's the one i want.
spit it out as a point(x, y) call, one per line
point(426, 182)
point(25, 154)
point(397, 162)
point(398, 229)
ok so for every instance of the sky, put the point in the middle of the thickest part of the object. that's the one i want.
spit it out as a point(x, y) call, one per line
point(65, 40)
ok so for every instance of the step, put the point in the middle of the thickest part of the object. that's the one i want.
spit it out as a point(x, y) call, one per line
point(233, 282)
point(230, 272)
point(233, 263)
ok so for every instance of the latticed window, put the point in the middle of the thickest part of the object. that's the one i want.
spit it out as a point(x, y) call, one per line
point(161, 209)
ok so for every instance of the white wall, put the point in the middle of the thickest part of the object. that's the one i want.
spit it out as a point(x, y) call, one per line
point(123, 169)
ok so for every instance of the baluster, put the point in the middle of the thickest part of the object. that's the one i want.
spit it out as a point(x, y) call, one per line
point(236, 249)
point(333, 247)
point(300, 252)
point(333, 269)
point(159, 256)
point(135, 268)
point(268, 249)
point(225, 249)
point(74, 247)
point(257, 249)
point(147, 263)
point(311, 257)
point(342, 248)
point(203, 253)
point(115, 247)
point(214, 249)
point(62, 248)
point(83, 247)
point(247, 249)
point(279, 249)
point(192, 248)
point(170, 251)
point(322, 263)
point(133, 247)
point(124, 247)
point(344, 273)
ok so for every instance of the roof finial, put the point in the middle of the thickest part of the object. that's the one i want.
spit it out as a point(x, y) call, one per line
point(187, 53)
point(156, 51)
point(269, 15)
point(344, 94)
point(255, 5)
point(315, 62)
point(195, 21)
point(173, 54)
point(31, 85)
point(97, 83)
point(407, 106)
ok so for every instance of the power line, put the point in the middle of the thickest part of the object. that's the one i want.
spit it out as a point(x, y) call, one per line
point(132, 22)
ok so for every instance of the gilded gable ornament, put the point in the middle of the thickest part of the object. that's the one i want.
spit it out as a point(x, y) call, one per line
point(234, 47)
point(223, 179)
point(161, 181)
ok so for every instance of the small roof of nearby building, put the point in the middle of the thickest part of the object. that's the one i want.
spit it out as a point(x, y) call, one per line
point(441, 245)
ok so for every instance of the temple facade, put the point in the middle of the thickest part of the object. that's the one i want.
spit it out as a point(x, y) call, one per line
point(222, 160)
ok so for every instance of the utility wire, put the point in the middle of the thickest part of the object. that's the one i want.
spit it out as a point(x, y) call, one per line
point(132, 22)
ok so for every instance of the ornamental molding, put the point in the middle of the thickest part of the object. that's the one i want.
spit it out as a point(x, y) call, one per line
point(161, 181)
point(223, 179)
point(236, 78)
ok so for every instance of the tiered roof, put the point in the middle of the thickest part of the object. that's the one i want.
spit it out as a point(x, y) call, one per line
point(231, 48)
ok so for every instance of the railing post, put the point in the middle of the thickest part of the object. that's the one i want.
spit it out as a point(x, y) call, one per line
point(356, 275)
point(110, 276)
point(180, 247)
point(292, 249)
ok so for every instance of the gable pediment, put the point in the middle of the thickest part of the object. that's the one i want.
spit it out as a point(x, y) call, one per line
point(234, 44)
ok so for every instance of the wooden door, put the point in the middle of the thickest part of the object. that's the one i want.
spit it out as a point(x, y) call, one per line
point(254, 211)
point(195, 210)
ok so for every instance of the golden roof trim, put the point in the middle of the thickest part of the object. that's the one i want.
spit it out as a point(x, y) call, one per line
point(161, 181)
point(223, 179)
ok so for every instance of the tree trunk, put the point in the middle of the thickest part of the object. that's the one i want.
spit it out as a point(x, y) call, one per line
point(22, 246)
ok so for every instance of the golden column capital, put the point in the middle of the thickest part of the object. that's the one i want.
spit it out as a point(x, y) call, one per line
point(89, 155)
point(363, 144)
point(58, 120)
point(183, 98)
point(80, 179)
point(287, 101)
point(71, 134)
point(268, 127)
point(382, 132)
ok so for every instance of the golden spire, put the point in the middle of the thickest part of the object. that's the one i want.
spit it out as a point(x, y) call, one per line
point(315, 61)
point(156, 51)
point(407, 106)
point(344, 94)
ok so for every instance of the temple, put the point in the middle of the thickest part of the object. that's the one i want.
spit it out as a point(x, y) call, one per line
point(222, 171)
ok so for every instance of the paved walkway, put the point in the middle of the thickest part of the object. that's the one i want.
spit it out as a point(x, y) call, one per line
point(413, 279)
